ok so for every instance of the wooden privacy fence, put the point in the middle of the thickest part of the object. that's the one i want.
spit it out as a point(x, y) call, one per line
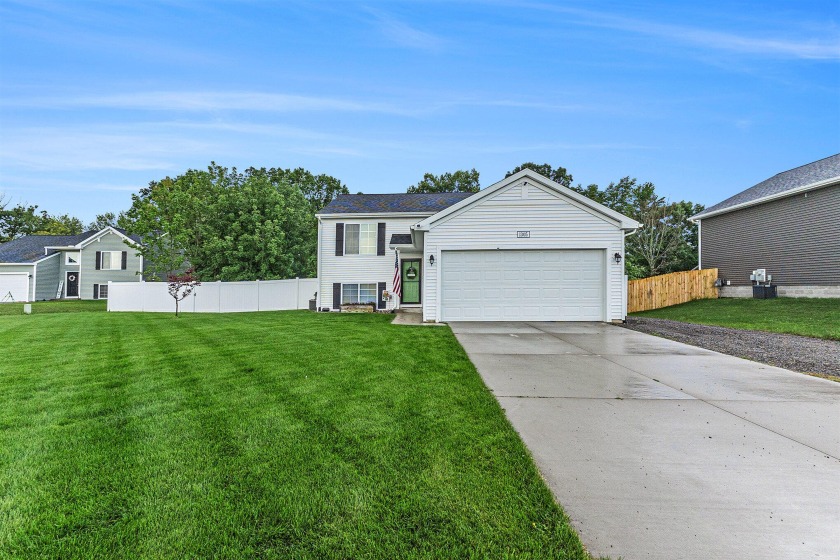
point(671, 289)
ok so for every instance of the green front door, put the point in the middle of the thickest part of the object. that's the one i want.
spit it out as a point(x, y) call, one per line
point(411, 281)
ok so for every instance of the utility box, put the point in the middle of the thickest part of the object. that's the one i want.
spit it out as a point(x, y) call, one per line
point(312, 304)
point(764, 292)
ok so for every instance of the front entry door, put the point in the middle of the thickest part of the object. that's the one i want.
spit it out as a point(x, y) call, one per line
point(410, 281)
point(72, 289)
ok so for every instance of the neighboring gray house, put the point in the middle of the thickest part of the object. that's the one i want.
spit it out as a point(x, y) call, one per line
point(787, 225)
point(525, 249)
point(41, 267)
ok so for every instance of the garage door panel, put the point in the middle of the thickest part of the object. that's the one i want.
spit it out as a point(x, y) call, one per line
point(14, 287)
point(522, 285)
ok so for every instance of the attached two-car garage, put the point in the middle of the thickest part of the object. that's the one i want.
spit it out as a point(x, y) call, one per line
point(523, 285)
point(524, 249)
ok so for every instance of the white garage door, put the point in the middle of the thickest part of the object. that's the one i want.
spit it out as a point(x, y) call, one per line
point(14, 286)
point(505, 285)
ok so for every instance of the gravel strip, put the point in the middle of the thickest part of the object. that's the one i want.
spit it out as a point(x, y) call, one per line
point(789, 351)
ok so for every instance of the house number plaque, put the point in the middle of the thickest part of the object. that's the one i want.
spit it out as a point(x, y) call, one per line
point(523, 234)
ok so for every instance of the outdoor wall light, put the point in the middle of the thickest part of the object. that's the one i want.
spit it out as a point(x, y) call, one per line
point(617, 258)
point(431, 259)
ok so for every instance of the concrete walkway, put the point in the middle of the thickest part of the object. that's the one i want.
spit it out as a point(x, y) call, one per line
point(658, 449)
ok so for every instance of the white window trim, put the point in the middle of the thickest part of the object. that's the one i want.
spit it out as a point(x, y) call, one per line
point(77, 255)
point(375, 228)
point(359, 292)
point(102, 260)
point(99, 291)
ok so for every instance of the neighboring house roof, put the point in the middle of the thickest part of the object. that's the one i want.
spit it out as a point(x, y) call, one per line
point(401, 239)
point(812, 175)
point(574, 197)
point(409, 203)
point(32, 248)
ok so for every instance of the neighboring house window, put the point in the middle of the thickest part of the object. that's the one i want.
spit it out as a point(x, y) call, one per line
point(111, 260)
point(358, 293)
point(72, 258)
point(360, 239)
point(103, 291)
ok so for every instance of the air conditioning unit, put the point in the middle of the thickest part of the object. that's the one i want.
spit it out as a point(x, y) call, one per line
point(759, 275)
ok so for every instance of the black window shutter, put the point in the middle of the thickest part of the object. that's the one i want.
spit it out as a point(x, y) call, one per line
point(380, 239)
point(336, 296)
point(96, 291)
point(124, 259)
point(339, 240)
point(98, 259)
point(381, 288)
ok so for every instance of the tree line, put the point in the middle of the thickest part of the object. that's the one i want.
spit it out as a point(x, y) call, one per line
point(260, 223)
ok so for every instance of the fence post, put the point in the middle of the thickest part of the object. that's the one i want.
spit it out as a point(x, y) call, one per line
point(219, 302)
point(258, 295)
point(297, 296)
point(108, 301)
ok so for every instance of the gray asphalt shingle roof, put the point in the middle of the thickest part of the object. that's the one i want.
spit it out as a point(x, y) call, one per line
point(31, 248)
point(821, 170)
point(401, 239)
point(429, 203)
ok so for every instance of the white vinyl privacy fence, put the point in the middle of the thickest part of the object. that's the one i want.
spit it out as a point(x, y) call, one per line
point(214, 297)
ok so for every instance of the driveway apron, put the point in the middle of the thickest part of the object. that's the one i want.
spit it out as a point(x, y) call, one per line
point(658, 449)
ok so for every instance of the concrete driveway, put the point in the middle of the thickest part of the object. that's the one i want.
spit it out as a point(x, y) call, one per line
point(658, 449)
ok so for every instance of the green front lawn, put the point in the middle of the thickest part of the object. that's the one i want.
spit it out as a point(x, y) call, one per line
point(270, 435)
point(58, 306)
point(804, 316)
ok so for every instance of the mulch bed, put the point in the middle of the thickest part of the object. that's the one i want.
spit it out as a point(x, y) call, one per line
point(799, 353)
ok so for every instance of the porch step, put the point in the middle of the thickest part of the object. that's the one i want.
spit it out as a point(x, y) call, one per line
point(410, 310)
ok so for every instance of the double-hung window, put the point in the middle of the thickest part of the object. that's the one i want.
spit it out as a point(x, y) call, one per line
point(360, 239)
point(111, 260)
point(358, 293)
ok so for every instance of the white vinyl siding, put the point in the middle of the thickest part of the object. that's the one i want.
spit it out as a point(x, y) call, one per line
point(553, 223)
point(360, 269)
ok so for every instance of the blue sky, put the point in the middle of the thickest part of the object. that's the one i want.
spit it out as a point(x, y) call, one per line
point(703, 99)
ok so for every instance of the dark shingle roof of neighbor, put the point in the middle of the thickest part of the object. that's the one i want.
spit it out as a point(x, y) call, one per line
point(401, 239)
point(31, 248)
point(821, 170)
point(423, 203)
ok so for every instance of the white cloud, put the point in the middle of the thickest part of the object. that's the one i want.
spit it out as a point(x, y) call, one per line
point(402, 34)
point(825, 47)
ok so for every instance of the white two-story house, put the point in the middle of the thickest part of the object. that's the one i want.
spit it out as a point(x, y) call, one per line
point(523, 249)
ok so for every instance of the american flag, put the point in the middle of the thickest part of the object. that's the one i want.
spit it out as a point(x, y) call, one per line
point(397, 281)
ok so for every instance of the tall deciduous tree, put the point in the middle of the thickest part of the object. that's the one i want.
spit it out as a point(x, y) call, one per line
point(63, 224)
point(18, 221)
point(227, 225)
point(558, 174)
point(319, 190)
point(667, 241)
point(458, 181)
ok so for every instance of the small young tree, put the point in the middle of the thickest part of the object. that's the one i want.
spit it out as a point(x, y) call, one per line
point(182, 285)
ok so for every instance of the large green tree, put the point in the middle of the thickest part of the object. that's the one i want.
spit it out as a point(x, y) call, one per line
point(229, 225)
point(667, 240)
point(63, 224)
point(19, 220)
point(319, 190)
point(458, 181)
point(557, 174)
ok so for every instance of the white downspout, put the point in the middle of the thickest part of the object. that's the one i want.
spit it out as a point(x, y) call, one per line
point(318, 268)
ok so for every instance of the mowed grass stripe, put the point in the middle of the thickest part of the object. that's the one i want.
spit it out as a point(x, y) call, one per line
point(270, 435)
